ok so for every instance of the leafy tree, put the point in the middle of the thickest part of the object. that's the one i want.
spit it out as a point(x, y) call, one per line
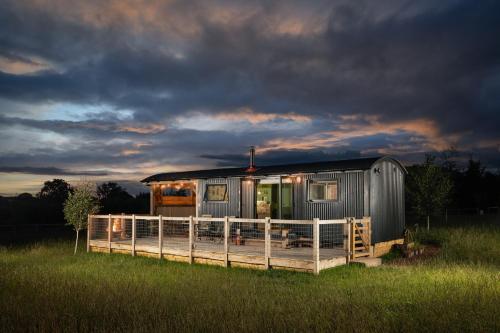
point(51, 199)
point(428, 188)
point(78, 206)
point(115, 199)
point(56, 190)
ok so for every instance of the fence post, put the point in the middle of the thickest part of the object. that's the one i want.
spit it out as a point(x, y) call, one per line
point(347, 240)
point(89, 223)
point(353, 238)
point(226, 239)
point(133, 234)
point(316, 245)
point(160, 236)
point(370, 249)
point(191, 234)
point(267, 241)
point(110, 233)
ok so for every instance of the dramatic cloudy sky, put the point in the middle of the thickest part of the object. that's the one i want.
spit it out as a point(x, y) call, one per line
point(124, 89)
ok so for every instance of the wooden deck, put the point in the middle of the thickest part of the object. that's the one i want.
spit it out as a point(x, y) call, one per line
point(213, 252)
point(229, 241)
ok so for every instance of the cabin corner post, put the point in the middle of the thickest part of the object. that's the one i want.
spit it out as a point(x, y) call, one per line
point(191, 238)
point(110, 233)
point(316, 245)
point(134, 230)
point(160, 236)
point(267, 242)
point(226, 240)
point(151, 200)
point(89, 223)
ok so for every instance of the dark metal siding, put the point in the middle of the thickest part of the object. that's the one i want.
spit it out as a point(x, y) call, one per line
point(248, 199)
point(387, 201)
point(220, 209)
point(350, 203)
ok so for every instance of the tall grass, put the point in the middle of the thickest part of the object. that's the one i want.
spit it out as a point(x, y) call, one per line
point(44, 288)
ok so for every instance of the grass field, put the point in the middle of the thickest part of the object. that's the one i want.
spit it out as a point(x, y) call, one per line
point(43, 287)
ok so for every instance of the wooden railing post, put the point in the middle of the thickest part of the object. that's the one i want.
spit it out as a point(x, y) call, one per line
point(134, 230)
point(267, 241)
point(89, 224)
point(160, 236)
point(353, 237)
point(110, 233)
point(347, 240)
point(316, 245)
point(226, 240)
point(369, 221)
point(191, 234)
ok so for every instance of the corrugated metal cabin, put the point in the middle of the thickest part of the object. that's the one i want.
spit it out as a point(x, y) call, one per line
point(326, 190)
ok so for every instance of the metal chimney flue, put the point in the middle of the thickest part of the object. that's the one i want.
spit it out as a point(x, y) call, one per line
point(251, 167)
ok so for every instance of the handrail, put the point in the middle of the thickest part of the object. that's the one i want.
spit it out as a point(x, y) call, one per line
point(216, 219)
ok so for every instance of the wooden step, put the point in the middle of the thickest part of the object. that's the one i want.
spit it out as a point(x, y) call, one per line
point(361, 254)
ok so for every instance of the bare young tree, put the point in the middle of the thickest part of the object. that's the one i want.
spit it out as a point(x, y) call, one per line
point(81, 203)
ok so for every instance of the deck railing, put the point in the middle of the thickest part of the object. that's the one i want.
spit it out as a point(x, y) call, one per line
point(303, 244)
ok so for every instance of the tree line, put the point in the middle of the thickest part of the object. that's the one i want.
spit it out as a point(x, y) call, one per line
point(46, 207)
point(439, 184)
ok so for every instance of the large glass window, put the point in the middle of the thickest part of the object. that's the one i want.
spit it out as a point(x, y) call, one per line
point(323, 190)
point(216, 192)
point(177, 194)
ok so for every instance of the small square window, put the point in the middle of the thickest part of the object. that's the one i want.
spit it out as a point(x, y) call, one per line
point(216, 192)
point(323, 191)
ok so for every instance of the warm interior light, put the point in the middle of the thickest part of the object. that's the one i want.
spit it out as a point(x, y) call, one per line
point(117, 225)
point(298, 179)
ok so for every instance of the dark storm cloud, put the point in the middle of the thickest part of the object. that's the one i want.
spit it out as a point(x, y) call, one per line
point(50, 171)
point(410, 77)
point(281, 157)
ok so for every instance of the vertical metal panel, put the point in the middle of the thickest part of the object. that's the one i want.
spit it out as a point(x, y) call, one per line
point(247, 199)
point(221, 209)
point(386, 201)
point(366, 193)
point(350, 203)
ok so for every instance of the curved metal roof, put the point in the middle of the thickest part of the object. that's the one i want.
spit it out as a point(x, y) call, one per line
point(284, 169)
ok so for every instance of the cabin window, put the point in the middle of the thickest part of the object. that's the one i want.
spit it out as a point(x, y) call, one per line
point(178, 194)
point(216, 192)
point(323, 190)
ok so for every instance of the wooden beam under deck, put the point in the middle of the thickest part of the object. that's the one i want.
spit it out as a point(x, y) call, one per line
point(299, 259)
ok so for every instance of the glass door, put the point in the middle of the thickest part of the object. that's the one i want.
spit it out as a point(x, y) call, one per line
point(286, 200)
point(274, 199)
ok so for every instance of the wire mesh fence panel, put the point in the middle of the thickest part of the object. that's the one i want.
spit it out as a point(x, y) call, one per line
point(247, 238)
point(176, 234)
point(121, 229)
point(146, 233)
point(331, 240)
point(209, 235)
point(99, 229)
point(291, 241)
